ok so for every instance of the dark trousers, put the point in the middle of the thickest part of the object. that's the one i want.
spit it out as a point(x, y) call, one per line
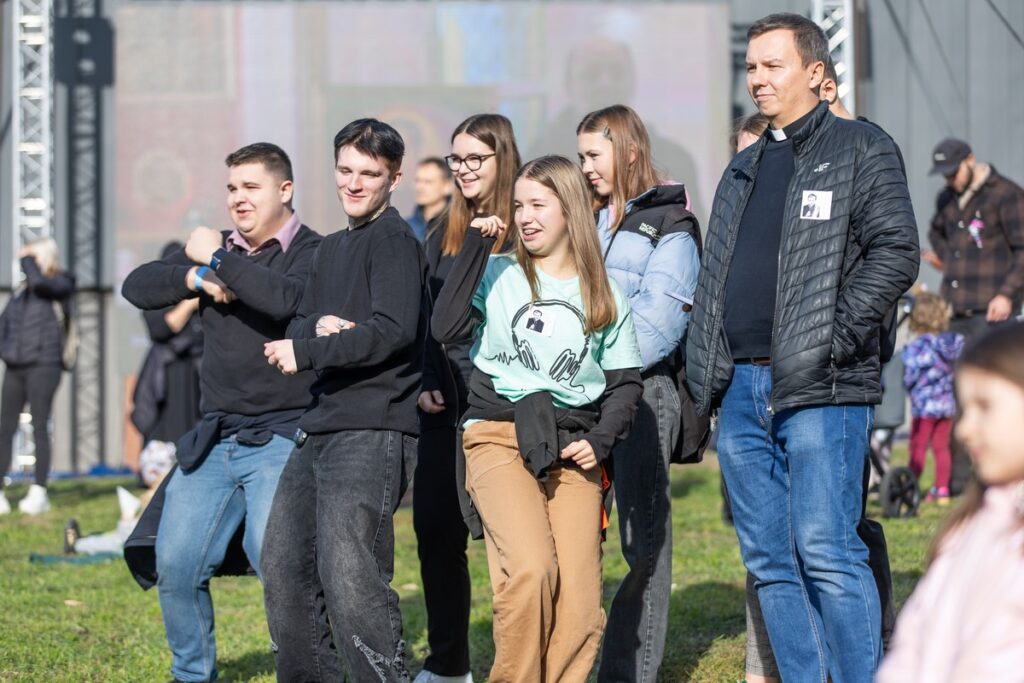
point(35, 385)
point(634, 642)
point(328, 558)
point(441, 538)
point(970, 327)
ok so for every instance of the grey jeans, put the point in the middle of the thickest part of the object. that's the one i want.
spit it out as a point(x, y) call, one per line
point(634, 640)
point(328, 558)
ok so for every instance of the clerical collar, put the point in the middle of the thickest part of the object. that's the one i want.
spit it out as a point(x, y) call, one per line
point(791, 129)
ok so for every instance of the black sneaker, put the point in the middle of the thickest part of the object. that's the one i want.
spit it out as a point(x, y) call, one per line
point(71, 535)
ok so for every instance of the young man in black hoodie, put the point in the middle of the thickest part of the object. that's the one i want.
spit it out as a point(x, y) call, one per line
point(361, 327)
point(250, 283)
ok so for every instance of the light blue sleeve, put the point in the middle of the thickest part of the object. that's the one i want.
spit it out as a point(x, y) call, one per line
point(668, 284)
point(619, 348)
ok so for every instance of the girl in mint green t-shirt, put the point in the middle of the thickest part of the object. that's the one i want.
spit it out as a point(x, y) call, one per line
point(555, 387)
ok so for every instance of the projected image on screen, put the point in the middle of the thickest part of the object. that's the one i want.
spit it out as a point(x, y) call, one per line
point(198, 80)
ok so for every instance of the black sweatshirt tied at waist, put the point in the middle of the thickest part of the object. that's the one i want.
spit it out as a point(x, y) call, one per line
point(541, 429)
point(250, 430)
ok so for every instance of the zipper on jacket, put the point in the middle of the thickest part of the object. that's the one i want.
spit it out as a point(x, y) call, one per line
point(778, 288)
point(835, 375)
point(720, 311)
point(778, 285)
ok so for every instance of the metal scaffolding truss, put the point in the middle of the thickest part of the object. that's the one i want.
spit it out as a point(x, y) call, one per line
point(85, 66)
point(838, 19)
point(71, 43)
point(31, 122)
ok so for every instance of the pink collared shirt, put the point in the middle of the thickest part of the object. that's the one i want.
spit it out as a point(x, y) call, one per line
point(284, 237)
point(965, 620)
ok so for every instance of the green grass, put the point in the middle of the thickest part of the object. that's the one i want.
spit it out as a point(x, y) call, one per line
point(92, 623)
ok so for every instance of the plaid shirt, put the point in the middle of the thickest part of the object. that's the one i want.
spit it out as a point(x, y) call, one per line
point(982, 245)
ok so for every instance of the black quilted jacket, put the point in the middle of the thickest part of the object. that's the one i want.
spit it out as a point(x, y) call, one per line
point(838, 277)
point(30, 333)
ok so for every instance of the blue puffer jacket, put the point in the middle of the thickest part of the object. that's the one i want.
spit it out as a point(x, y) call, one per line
point(654, 257)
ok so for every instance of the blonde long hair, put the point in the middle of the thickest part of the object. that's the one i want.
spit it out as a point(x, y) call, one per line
point(46, 255)
point(495, 131)
point(628, 135)
point(567, 181)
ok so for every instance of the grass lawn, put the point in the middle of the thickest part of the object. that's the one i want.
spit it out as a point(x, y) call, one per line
point(92, 623)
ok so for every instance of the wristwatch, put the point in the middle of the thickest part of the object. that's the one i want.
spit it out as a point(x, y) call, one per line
point(200, 272)
point(217, 257)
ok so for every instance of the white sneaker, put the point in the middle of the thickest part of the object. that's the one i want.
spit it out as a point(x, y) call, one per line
point(431, 677)
point(5, 507)
point(36, 502)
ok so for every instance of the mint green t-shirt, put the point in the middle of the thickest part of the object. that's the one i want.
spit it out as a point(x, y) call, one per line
point(526, 346)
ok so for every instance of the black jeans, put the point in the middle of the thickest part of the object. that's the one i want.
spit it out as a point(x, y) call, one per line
point(329, 555)
point(35, 385)
point(441, 538)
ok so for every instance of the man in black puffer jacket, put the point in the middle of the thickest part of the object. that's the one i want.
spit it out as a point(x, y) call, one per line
point(812, 239)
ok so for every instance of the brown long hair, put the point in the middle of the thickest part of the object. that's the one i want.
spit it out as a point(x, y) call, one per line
point(495, 131)
point(627, 132)
point(999, 352)
point(567, 181)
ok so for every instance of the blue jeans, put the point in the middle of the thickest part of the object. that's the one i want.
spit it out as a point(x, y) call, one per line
point(329, 556)
point(201, 513)
point(634, 641)
point(795, 485)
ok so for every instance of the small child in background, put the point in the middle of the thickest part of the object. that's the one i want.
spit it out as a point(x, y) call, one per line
point(965, 620)
point(928, 363)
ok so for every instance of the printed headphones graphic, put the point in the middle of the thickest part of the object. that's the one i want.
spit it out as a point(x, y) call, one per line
point(568, 362)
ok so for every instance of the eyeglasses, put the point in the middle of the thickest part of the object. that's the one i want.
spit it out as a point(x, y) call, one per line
point(473, 162)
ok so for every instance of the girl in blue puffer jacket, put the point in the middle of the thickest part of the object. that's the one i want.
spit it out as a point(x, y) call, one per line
point(651, 247)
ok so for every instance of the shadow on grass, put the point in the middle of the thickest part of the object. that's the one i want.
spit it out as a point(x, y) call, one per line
point(76, 492)
point(699, 615)
point(247, 667)
point(688, 480)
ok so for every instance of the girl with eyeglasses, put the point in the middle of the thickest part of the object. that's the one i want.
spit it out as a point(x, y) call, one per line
point(550, 396)
point(651, 247)
point(483, 161)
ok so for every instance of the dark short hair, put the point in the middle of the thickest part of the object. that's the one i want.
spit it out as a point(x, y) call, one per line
point(811, 42)
point(273, 158)
point(439, 162)
point(373, 138)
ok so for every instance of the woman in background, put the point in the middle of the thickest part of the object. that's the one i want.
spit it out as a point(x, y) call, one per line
point(651, 247)
point(33, 334)
point(484, 160)
point(166, 398)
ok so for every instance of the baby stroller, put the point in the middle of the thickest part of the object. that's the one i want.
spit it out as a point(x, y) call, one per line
point(898, 492)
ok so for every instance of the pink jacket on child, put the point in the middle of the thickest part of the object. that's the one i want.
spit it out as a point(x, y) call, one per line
point(965, 620)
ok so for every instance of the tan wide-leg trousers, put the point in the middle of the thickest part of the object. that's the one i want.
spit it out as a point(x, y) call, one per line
point(544, 556)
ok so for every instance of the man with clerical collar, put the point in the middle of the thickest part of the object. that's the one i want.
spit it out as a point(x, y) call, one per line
point(784, 345)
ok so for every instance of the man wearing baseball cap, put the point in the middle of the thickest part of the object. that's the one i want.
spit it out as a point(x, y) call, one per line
point(977, 235)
